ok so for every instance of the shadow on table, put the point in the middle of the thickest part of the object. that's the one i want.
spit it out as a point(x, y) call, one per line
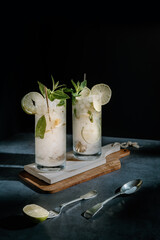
point(149, 150)
point(16, 222)
point(12, 164)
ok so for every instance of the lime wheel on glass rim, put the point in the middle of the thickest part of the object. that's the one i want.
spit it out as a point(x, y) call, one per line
point(33, 103)
point(102, 90)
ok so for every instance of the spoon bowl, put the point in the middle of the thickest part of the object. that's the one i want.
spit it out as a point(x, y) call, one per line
point(131, 187)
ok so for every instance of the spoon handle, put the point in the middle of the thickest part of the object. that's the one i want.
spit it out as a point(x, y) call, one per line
point(96, 208)
point(86, 196)
point(70, 202)
point(109, 199)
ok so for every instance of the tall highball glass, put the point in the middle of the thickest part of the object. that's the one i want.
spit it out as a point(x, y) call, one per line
point(50, 149)
point(86, 128)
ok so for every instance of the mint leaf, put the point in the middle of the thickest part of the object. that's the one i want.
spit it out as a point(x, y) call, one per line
point(56, 85)
point(74, 84)
point(74, 100)
point(42, 89)
point(58, 91)
point(83, 84)
point(49, 92)
point(78, 88)
point(90, 116)
point(61, 103)
point(78, 84)
point(40, 127)
point(75, 113)
point(58, 94)
point(68, 90)
point(76, 94)
point(53, 82)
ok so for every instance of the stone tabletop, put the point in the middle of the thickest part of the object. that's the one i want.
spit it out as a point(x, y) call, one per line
point(127, 217)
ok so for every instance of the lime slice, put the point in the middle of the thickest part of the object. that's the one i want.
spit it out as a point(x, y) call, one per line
point(91, 133)
point(97, 103)
point(104, 91)
point(85, 92)
point(35, 212)
point(33, 103)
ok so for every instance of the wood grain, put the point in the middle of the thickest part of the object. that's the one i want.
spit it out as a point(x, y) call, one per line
point(112, 164)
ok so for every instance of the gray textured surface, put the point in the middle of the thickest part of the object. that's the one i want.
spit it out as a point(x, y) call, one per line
point(132, 217)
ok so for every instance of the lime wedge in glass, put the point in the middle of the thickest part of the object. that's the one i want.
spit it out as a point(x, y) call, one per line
point(35, 213)
point(33, 103)
point(102, 90)
point(91, 133)
point(97, 103)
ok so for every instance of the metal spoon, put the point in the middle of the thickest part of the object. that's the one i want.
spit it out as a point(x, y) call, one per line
point(57, 211)
point(127, 188)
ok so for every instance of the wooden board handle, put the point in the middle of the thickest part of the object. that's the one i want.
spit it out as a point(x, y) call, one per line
point(117, 155)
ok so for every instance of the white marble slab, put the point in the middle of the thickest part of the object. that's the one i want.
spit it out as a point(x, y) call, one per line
point(72, 167)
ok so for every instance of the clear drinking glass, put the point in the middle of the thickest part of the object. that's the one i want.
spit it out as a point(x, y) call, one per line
point(86, 128)
point(50, 151)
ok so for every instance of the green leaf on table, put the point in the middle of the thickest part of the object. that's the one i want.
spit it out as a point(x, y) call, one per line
point(40, 127)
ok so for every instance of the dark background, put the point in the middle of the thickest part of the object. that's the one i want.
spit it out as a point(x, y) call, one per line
point(116, 45)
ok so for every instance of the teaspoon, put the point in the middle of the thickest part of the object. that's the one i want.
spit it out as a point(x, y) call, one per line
point(127, 188)
point(57, 211)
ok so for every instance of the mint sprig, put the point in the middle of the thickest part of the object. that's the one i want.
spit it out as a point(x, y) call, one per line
point(58, 92)
point(78, 87)
point(56, 85)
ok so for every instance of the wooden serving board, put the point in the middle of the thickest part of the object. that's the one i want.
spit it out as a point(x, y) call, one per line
point(112, 164)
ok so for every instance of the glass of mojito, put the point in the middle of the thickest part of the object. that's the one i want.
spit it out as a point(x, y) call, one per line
point(49, 109)
point(86, 118)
